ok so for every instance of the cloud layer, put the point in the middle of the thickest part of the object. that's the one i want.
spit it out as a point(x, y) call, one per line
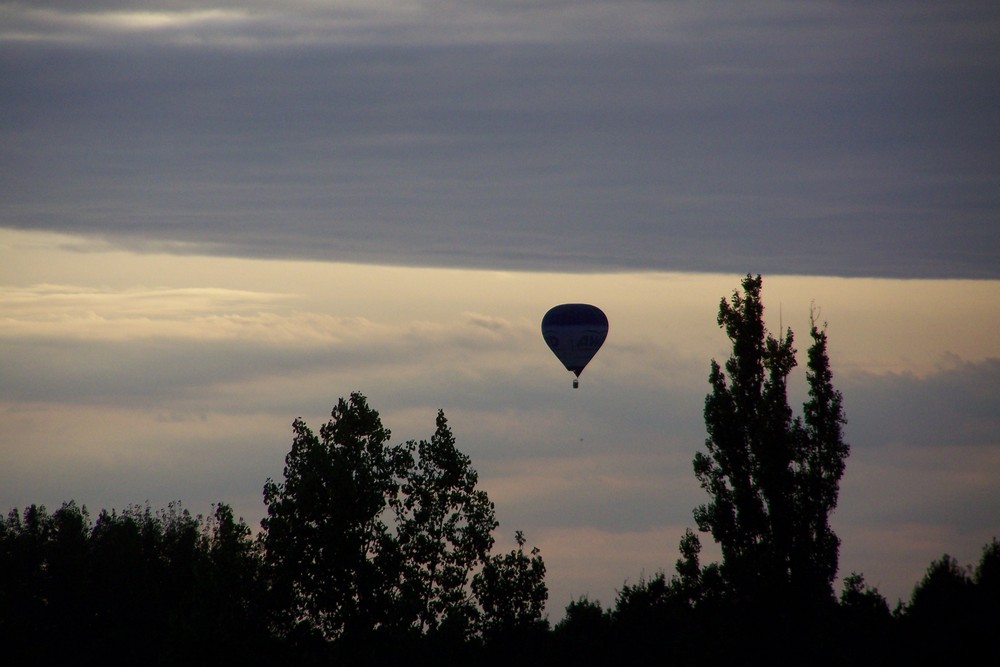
point(787, 137)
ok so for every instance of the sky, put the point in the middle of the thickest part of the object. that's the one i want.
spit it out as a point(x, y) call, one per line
point(215, 218)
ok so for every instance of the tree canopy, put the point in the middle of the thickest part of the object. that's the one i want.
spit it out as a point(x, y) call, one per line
point(369, 541)
point(773, 478)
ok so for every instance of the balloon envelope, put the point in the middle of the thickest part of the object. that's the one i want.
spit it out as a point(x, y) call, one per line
point(575, 332)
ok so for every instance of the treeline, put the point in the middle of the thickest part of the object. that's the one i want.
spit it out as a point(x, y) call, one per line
point(370, 552)
point(168, 587)
point(133, 587)
point(951, 618)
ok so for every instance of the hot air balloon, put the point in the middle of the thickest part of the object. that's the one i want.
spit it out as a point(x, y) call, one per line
point(575, 332)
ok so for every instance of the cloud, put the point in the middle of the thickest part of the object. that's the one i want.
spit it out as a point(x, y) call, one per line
point(132, 345)
point(268, 24)
point(958, 406)
point(791, 138)
point(46, 311)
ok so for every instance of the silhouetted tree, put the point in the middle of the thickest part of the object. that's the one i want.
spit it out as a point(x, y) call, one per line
point(330, 557)
point(22, 583)
point(585, 620)
point(228, 623)
point(232, 579)
point(445, 531)
point(583, 636)
point(378, 546)
point(512, 592)
point(986, 579)
point(773, 479)
point(939, 622)
point(866, 602)
point(68, 609)
point(944, 591)
point(866, 626)
point(987, 574)
point(650, 619)
point(130, 584)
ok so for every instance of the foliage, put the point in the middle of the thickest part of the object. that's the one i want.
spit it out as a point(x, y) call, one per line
point(773, 479)
point(863, 599)
point(365, 539)
point(445, 531)
point(511, 589)
point(134, 587)
point(987, 574)
point(584, 618)
point(584, 636)
point(328, 551)
point(953, 610)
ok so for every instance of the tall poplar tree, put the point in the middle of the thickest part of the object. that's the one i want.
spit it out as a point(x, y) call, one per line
point(773, 478)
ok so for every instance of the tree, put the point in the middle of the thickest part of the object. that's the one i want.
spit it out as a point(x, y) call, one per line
point(227, 623)
point(136, 587)
point(940, 621)
point(585, 620)
point(865, 623)
point(328, 551)
point(232, 578)
point(583, 636)
point(987, 574)
point(23, 583)
point(445, 531)
point(773, 478)
point(646, 617)
point(129, 573)
point(511, 589)
point(864, 601)
point(986, 579)
point(377, 546)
